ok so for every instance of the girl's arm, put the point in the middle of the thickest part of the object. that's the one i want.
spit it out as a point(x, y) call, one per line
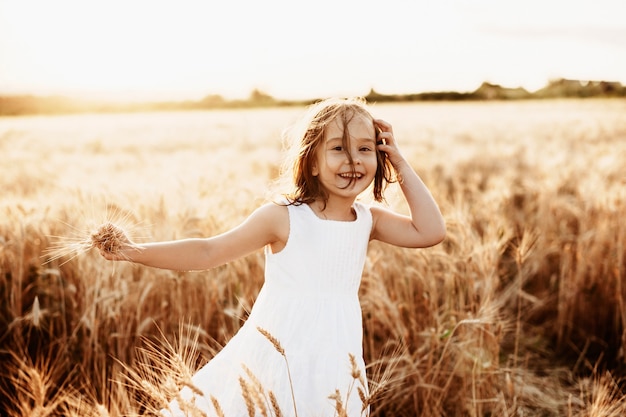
point(269, 224)
point(425, 226)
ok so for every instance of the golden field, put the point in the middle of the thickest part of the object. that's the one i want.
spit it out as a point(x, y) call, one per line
point(519, 312)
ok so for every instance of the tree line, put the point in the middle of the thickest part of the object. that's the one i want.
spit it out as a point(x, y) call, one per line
point(15, 105)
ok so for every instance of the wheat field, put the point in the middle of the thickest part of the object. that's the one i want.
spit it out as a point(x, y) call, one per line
point(519, 312)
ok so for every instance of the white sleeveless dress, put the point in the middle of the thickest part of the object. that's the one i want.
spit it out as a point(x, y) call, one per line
point(309, 304)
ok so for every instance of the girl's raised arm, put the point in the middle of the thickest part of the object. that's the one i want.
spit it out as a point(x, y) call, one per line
point(425, 226)
point(268, 224)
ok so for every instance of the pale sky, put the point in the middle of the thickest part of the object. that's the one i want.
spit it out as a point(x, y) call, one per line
point(187, 49)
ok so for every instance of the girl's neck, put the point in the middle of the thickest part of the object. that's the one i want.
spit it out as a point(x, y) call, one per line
point(334, 210)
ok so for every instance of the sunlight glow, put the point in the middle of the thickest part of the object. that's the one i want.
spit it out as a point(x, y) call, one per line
point(188, 49)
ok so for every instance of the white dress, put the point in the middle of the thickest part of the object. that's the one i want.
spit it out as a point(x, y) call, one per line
point(309, 304)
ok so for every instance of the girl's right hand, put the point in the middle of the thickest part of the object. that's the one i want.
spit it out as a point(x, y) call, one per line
point(389, 144)
point(112, 242)
point(118, 255)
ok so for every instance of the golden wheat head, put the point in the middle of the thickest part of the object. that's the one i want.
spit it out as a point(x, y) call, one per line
point(108, 237)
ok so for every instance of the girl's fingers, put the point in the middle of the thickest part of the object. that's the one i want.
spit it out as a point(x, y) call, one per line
point(386, 141)
point(387, 136)
point(382, 125)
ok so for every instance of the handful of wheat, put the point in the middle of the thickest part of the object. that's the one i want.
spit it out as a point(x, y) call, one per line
point(108, 237)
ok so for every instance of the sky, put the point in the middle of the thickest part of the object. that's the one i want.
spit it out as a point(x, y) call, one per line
point(290, 49)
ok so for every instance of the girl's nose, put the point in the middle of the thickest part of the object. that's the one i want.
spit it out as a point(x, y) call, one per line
point(355, 159)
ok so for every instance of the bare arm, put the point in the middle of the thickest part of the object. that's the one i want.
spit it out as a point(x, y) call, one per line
point(266, 225)
point(425, 226)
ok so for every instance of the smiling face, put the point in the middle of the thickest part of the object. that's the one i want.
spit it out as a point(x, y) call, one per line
point(329, 158)
point(345, 163)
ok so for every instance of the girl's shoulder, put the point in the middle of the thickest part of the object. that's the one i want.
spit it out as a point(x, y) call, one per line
point(379, 211)
point(273, 212)
point(272, 220)
point(380, 214)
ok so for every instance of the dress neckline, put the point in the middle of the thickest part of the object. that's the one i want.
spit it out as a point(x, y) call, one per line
point(354, 208)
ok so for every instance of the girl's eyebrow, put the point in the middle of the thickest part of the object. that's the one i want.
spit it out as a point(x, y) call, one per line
point(365, 139)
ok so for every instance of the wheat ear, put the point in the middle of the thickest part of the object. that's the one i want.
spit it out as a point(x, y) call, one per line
point(217, 406)
point(280, 350)
point(245, 392)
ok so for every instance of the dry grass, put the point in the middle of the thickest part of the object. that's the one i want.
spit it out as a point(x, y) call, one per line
point(519, 312)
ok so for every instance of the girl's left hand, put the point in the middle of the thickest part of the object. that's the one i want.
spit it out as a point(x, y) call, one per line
point(389, 144)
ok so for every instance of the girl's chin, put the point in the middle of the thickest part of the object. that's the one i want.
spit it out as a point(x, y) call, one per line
point(355, 187)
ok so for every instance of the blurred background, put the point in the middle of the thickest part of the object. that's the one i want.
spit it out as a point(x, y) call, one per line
point(193, 50)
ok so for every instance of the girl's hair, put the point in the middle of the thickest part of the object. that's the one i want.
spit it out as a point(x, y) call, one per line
point(309, 135)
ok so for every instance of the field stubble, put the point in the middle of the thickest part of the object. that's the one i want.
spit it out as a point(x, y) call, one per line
point(519, 312)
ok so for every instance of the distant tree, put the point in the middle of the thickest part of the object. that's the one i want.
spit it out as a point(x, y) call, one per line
point(257, 96)
point(374, 96)
point(212, 100)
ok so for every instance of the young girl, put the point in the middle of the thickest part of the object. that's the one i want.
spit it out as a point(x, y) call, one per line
point(303, 338)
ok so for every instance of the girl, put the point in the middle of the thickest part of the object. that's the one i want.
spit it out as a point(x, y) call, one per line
point(301, 345)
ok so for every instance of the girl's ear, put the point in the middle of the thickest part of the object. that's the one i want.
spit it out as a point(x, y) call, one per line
point(314, 170)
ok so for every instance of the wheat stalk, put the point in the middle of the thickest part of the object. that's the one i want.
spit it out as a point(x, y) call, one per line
point(339, 408)
point(273, 340)
point(257, 391)
point(275, 406)
point(108, 237)
point(280, 350)
point(217, 406)
point(365, 400)
point(245, 392)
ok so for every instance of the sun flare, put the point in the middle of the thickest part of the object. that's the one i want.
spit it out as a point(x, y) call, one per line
point(190, 49)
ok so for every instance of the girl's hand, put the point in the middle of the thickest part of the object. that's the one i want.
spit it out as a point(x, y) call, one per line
point(425, 226)
point(122, 254)
point(389, 144)
point(112, 242)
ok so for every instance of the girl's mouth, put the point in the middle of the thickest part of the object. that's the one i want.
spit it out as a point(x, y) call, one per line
point(351, 175)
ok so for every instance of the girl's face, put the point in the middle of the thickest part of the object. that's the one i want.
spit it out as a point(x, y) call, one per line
point(332, 166)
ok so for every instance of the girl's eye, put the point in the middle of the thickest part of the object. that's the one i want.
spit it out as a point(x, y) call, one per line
point(337, 148)
point(365, 149)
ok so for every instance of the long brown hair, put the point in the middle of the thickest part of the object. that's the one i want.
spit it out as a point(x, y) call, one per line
point(311, 134)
